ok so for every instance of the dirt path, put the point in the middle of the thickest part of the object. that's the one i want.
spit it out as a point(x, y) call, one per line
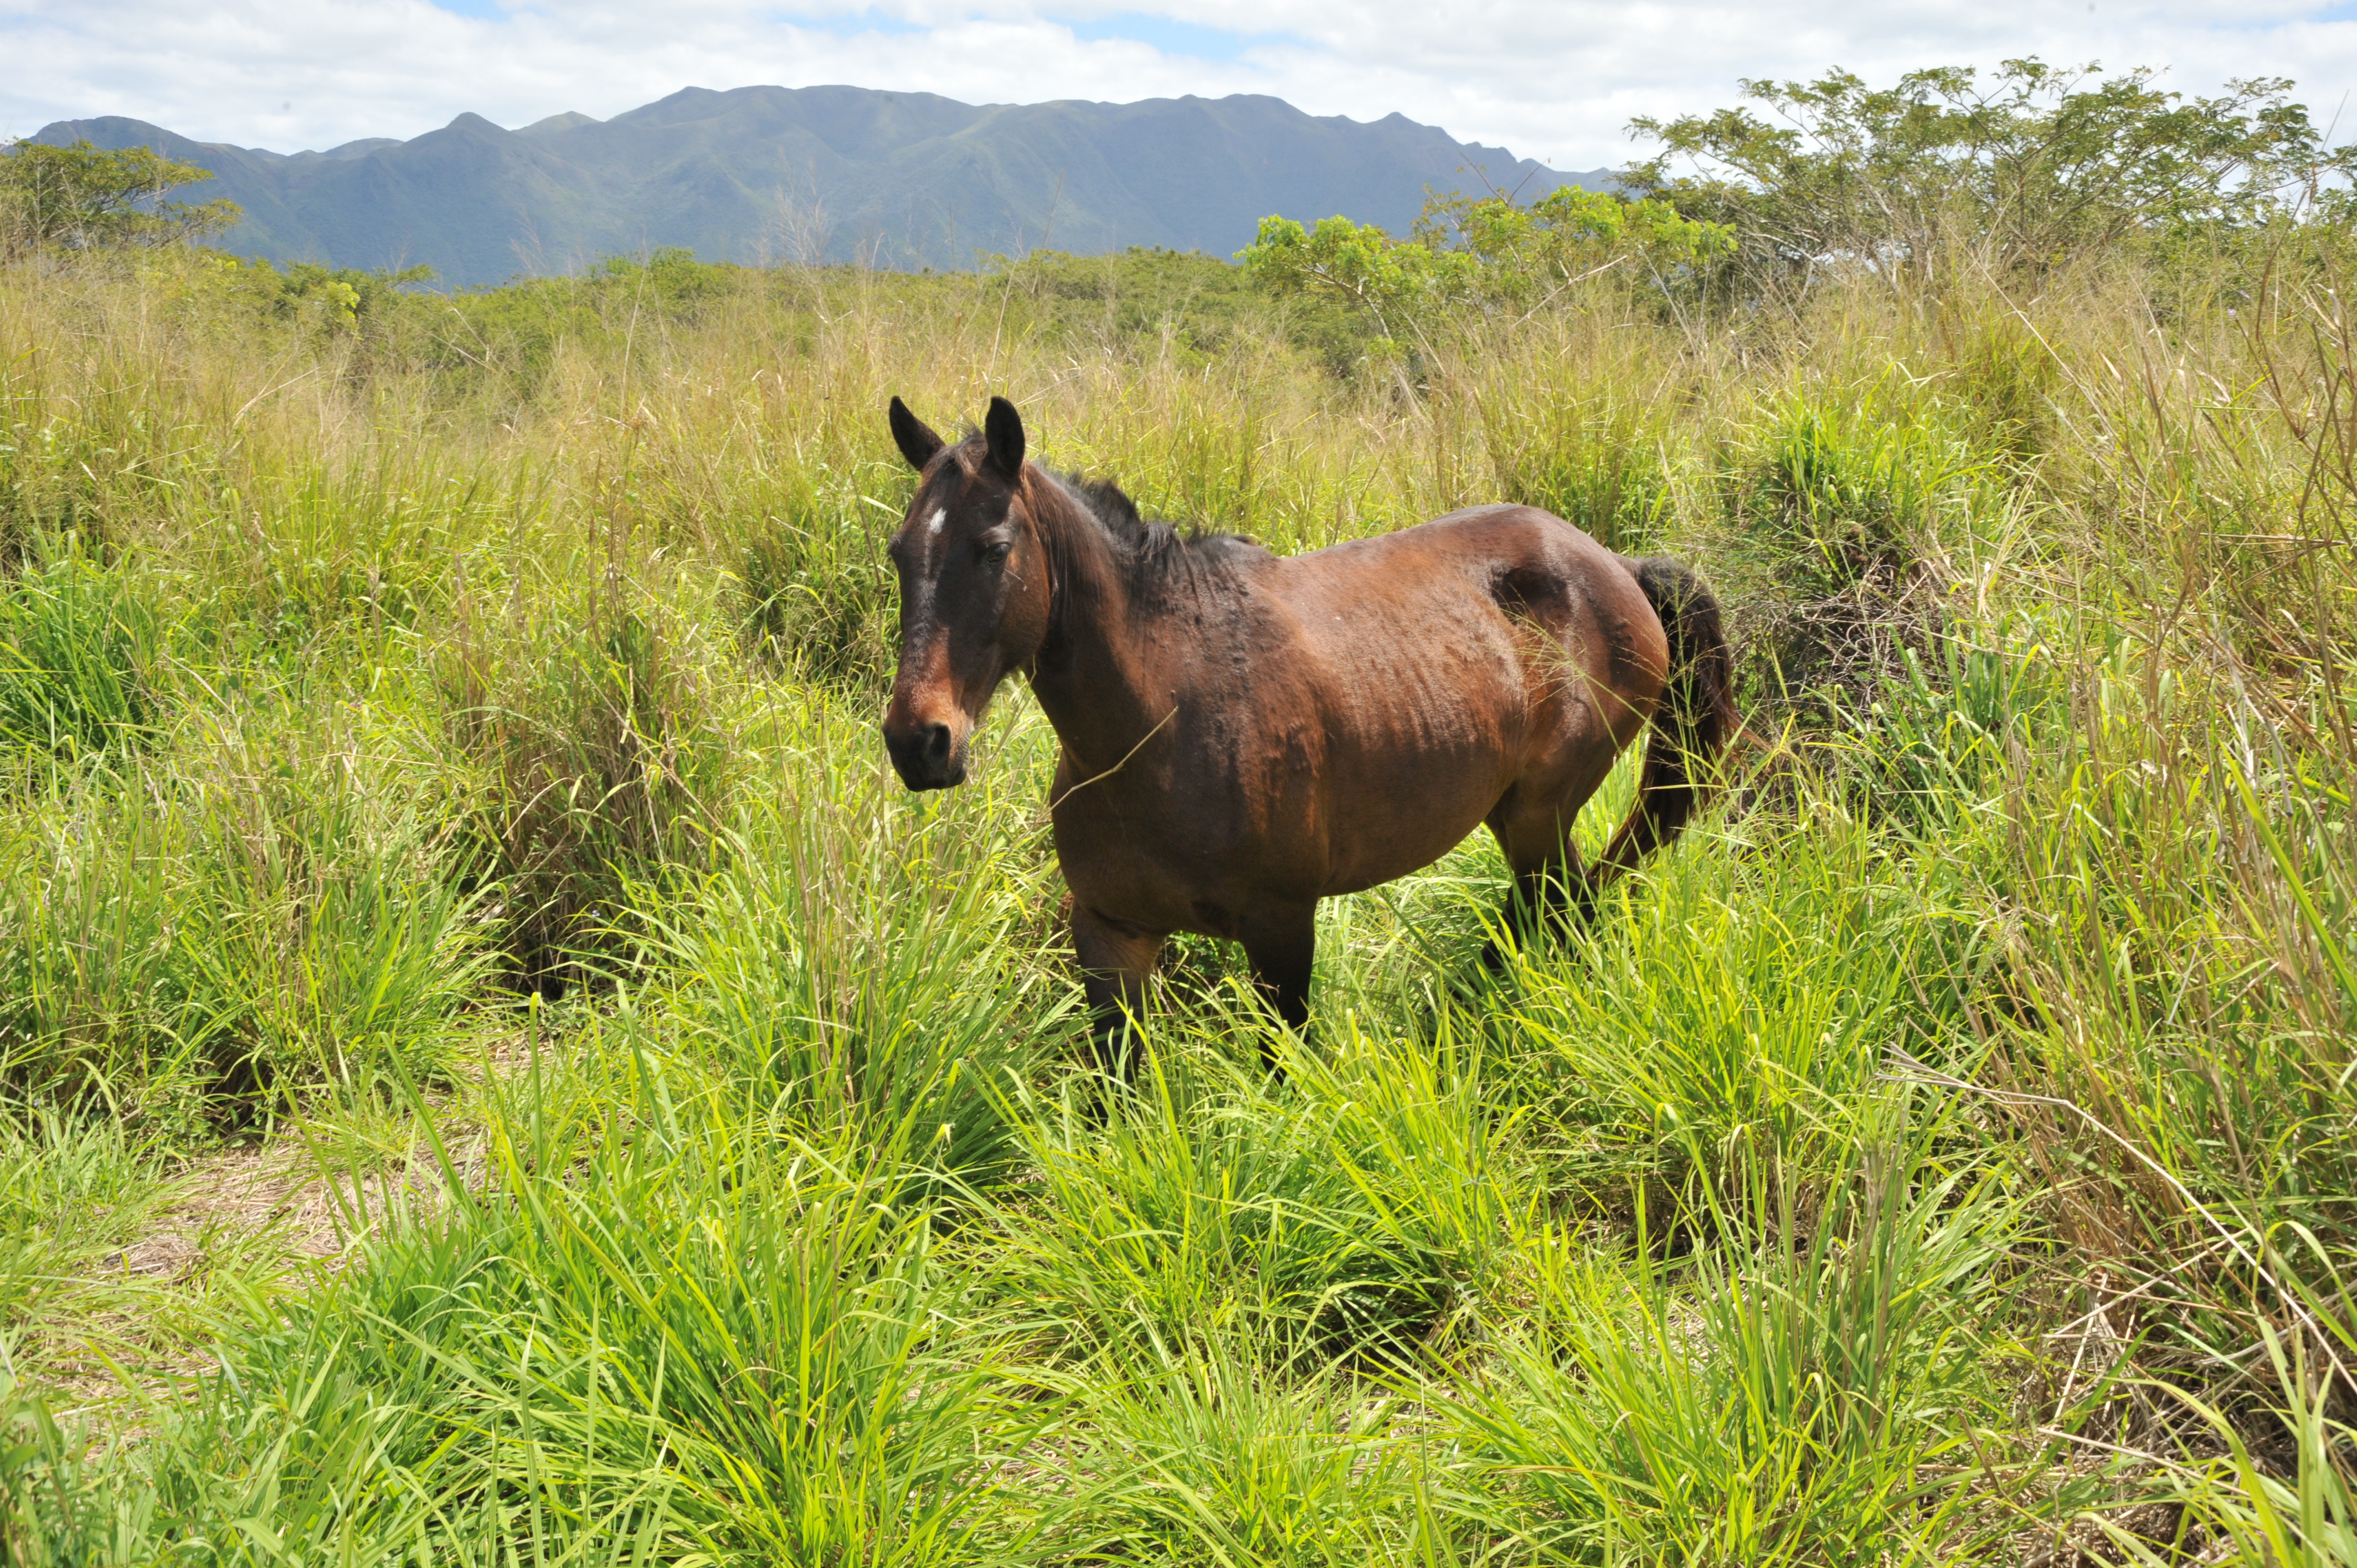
point(234, 1232)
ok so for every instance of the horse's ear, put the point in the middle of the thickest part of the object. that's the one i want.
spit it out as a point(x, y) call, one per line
point(1002, 428)
point(913, 435)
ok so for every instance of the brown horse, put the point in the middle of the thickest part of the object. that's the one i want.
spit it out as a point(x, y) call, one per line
point(1245, 733)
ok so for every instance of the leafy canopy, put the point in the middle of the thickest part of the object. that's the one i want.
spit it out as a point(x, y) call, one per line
point(1488, 250)
point(339, 296)
point(85, 198)
point(1521, 251)
point(2025, 167)
point(1358, 262)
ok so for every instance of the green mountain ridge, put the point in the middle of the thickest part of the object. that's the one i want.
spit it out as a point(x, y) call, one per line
point(766, 174)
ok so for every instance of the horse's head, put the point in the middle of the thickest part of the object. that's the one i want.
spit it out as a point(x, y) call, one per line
point(974, 589)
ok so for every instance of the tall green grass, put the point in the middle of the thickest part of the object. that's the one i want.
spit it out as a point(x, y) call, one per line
point(1820, 1396)
point(78, 649)
point(457, 770)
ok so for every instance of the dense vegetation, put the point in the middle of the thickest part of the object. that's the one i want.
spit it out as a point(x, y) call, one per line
point(497, 1070)
point(81, 198)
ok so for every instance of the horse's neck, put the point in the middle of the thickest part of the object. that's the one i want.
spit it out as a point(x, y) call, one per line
point(1101, 681)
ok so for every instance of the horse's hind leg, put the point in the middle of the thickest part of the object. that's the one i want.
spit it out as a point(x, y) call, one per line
point(1551, 883)
point(1546, 897)
point(1117, 962)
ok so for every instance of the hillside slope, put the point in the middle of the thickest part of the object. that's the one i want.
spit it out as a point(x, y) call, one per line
point(761, 173)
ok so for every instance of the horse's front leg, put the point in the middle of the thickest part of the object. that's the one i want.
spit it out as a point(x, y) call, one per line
point(1116, 962)
point(1282, 945)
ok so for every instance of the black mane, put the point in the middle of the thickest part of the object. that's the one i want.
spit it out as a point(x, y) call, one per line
point(1155, 557)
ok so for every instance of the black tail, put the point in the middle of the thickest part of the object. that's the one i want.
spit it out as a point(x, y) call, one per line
point(1694, 722)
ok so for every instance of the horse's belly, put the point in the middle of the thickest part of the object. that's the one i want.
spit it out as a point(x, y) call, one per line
point(1388, 823)
point(1171, 857)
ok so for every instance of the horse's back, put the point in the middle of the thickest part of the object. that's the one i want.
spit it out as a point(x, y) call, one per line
point(1449, 661)
point(1478, 580)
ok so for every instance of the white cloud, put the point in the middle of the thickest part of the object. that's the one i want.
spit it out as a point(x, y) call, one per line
point(1553, 81)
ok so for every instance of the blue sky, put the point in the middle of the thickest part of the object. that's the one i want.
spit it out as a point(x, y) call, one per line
point(1557, 82)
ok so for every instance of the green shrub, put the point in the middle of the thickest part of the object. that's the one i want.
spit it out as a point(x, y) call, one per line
point(592, 722)
point(78, 651)
point(1811, 1401)
point(1200, 1206)
point(852, 967)
point(1198, 1455)
point(271, 904)
point(1725, 1013)
point(1837, 493)
point(819, 595)
point(1596, 461)
point(707, 1351)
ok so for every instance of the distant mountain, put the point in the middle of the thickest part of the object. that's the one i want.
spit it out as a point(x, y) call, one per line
point(772, 173)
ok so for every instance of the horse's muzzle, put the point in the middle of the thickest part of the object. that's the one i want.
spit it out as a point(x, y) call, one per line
point(926, 757)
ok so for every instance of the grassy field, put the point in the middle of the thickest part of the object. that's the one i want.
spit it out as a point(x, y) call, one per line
point(497, 1070)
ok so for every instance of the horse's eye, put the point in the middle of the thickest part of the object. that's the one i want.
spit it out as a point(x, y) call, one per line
point(996, 554)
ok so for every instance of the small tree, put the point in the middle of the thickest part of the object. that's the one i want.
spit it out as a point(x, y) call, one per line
point(339, 296)
point(1387, 280)
point(1482, 251)
point(1522, 254)
point(2021, 169)
point(84, 197)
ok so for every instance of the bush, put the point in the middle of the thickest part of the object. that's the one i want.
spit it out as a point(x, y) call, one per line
point(265, 907)
point(78, 653)
point(819, 594)
point(593, 724)
point(81, 198)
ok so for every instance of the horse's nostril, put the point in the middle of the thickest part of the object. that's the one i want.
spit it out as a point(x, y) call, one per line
point(925, 755)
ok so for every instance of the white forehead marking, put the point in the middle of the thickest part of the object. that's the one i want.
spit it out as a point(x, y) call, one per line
point(933, 523)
